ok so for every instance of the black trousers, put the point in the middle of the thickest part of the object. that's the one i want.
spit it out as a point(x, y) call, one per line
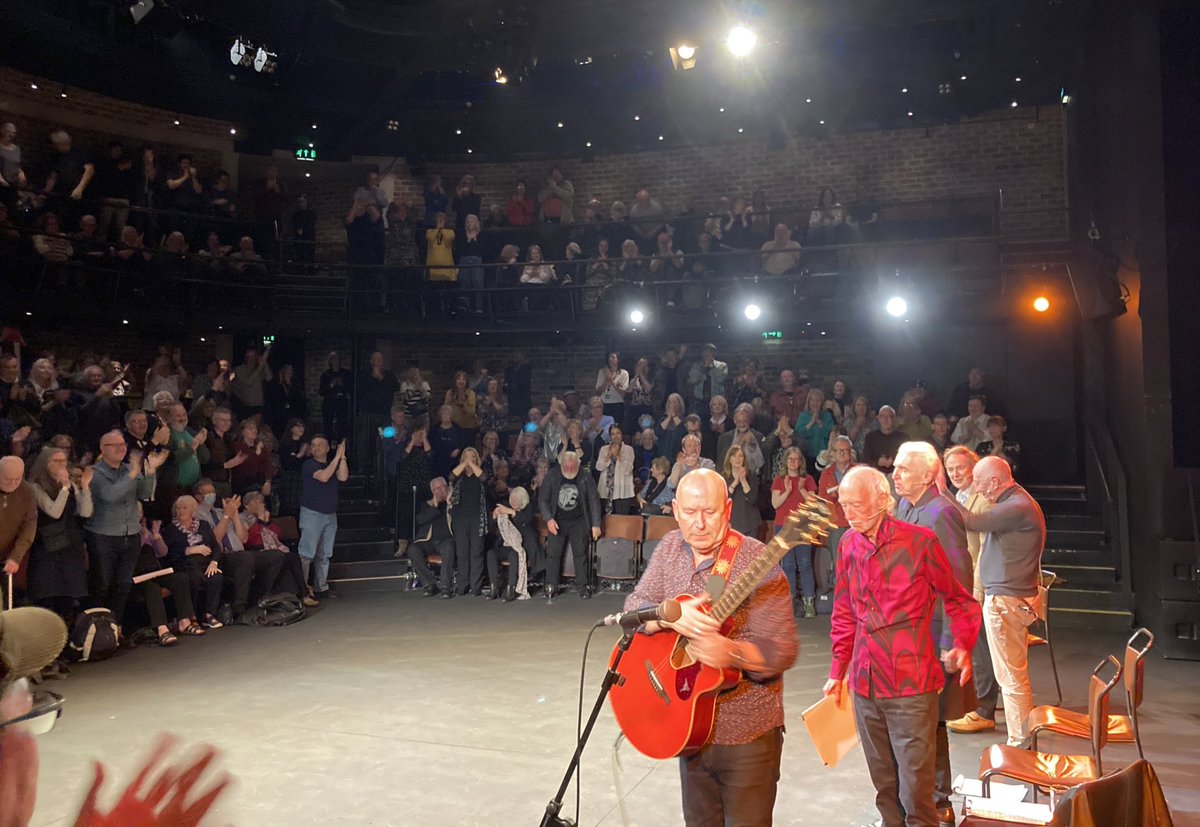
point(177, 584)
point(111, 562)
point(732, 785)
point(578, 533)
point(417, 554)
point(206, 591)
point(468, 554)
point(987, 691)
point(899, 741)
point(240, 569)
point(291, 573)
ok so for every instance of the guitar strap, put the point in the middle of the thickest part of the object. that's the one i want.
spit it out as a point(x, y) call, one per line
point(723, 565)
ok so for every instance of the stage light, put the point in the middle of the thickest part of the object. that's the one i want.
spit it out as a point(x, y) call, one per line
point(1017, 79)
point(501, 78)
point(637, 316)
point(741, 41)
point(232, 131)
point(589, 143)
point(660, 137)
point(560, 124)
point(740, 130)
point(683, 56)
point(458, 132)
point(896, 306)
point(314, 126)
point(808, 100)
point(962, 77)
point(752, 311)
point(33, 86)
point(392, 125)
point(1013, 104)
point(1041, 304)
point(177, 124)
point(722, 109)
point(904, 90)
point(140, 9)
point(637, 117)
point(470, 151)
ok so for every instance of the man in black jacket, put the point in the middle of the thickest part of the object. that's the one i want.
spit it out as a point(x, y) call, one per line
point(570, 504)
point(433, 536)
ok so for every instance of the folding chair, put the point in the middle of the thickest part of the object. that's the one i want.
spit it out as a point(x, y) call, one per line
point(657, 527)
point(1042, 625)
point(617, 549)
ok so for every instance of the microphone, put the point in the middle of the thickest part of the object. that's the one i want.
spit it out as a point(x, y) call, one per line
point(668, 610)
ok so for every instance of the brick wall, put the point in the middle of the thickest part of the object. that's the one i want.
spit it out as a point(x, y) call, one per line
point(93, 120)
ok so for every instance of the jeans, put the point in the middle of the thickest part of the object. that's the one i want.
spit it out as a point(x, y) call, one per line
point(112, 561)
point(899, 741)
point(317, 533)
point(1006, 618)
point(799, 559)
point(732, 784)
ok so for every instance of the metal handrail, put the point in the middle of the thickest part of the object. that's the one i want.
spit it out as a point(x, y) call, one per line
point(1114, 482)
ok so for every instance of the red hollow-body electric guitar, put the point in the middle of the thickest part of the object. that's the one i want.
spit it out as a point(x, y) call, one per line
point(666, 700)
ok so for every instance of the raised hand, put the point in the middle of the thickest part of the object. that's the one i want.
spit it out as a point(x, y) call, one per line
point(165, 802)
point(86, 480)
point(155, 461)
point(161, 435)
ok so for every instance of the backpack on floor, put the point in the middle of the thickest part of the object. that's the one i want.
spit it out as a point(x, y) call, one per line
point(280, 609)
point(94, 636)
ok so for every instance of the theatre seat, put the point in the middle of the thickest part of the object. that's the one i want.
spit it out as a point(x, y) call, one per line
point(1052, 770)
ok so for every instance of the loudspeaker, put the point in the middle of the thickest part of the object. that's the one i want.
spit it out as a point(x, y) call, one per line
point(1098, 293)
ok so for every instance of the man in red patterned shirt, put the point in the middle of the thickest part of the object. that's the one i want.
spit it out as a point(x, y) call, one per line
point(732, 780)
point(890, 576)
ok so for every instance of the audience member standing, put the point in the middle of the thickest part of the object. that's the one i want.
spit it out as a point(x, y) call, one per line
point(448, 442)
point(18, 514)
point(69, 178)
point(614, 464)
point(12, 176)
point(375, 391)
point(707, 378)
point(880, 446)
point(612, 383)
point(1010, 563)
point(557, 200)
point(284, 400)
point(829, 485)
point(570, 505)
point(436, 200)
point(743, 487)
point(787, 492)
point(251, 469)
point(790, 399)
point(319, 479)
point(468, 522)
point(101, 410)
point(337, 383)
point(464, 407)
point(745, 437)
point(813, 425)
point(246, 384)
point(974, 386)
point(114, 530)
point(414, 396)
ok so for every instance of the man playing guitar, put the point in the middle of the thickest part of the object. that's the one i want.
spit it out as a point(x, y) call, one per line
point(732, 779)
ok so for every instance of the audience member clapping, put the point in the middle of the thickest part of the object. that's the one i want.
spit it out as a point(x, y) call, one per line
point(253, 470)
point(614, 465)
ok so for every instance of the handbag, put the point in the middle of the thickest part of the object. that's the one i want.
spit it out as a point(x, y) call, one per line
point(56, 536)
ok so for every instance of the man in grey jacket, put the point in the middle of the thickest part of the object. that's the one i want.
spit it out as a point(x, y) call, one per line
point(570, 504)
point(114, 529)
point(1010, 564)
point(913, 473)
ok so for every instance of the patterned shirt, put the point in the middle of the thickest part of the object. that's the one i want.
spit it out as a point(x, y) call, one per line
point(884, 601)
point(755, 705)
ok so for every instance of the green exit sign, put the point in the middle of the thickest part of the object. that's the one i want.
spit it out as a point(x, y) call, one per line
point(306, 154)
point(772, 334)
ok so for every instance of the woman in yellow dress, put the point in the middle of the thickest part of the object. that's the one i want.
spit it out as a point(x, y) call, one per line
point(439, 252)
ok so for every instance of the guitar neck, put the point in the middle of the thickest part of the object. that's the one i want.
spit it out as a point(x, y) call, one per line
point(736, 592)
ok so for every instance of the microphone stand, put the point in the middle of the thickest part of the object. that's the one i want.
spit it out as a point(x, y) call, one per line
point(612, 677)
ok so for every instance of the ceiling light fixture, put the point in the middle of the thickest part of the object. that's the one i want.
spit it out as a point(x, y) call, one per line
point(660, 137)
point(637, 117)
point(458, 132)
point(589, 143)
point(683, 56)
point(741, 41)
point(232, 131)
point(33, 86)
point(501, 78)
point(560, 124)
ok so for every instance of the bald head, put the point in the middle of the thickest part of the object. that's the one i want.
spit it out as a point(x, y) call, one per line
point(12, 471)
point(866, 497)
point(993, 476)
point(702, 508)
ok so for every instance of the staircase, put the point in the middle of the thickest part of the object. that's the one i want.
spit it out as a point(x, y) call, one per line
point(1089, 593)
point(364, 554)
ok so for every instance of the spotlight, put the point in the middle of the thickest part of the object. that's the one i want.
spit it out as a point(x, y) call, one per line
point(501, 78)
point(232, 131)
point(683, 56)
point(1041, 304)
point(140, 9)
point(896, 306)
point(392, 125)
point(752, 311)
point(741, 41)
point(637, 316)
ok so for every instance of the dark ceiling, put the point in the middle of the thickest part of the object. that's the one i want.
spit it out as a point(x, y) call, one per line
point(416, 77)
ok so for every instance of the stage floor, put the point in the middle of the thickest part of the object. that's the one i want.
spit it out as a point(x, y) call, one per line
point(386, 708)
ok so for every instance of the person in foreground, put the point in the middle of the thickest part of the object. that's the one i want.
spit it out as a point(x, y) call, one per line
point(890, 575)
point(733, 779)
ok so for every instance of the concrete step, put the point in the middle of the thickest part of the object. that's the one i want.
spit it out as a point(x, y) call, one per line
point(1079, 522)
point(1076, 539)
point(1058, 490)
point(393, 572)
point(1054, 558)
point(1091, 607)
point(1072, 576)
point(364, 550)
point(360, 519)
point(362, 533)
point(353, 504)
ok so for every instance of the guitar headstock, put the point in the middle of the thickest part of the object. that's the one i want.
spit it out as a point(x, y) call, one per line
point(809, 523)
